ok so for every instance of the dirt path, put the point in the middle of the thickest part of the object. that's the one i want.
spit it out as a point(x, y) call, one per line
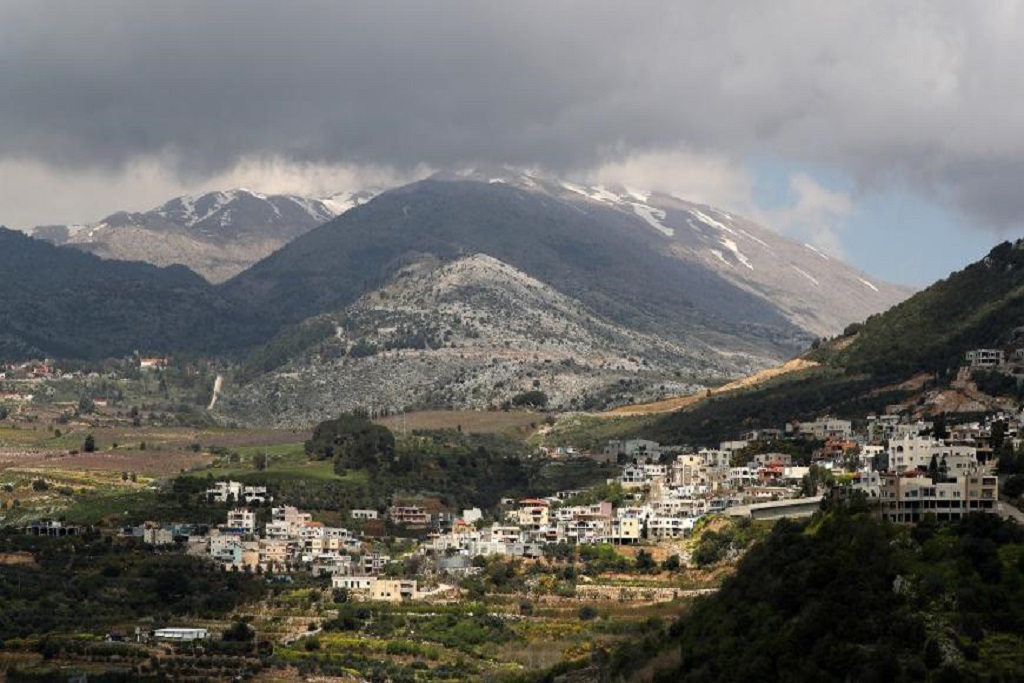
point(218, 384)
point(672, 404)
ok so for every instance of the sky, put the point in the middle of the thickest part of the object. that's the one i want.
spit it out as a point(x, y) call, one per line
point(888, 134)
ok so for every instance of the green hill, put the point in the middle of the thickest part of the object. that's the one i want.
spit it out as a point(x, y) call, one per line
point(979, 306)
point(847, 597)
point(60, 302)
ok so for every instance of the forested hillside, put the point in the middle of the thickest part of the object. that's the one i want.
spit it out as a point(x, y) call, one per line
point(59, 302)
point(980, 305)
point(847, 597)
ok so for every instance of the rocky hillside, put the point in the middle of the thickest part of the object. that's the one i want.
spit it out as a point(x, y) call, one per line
point(473, 333)
point(681, 273)
point(217, 235)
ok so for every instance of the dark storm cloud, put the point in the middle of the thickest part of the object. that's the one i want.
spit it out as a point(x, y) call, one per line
point(922, 94)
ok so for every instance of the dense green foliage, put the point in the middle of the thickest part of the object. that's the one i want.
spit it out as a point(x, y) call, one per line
point(530, 399)
point(803, 396)
point(288, 344)
point(978, 306)
point(374, 469)
point(61, 302)
point(352, 441)
point(997, 384)
point(90, 584)
point(848, 597)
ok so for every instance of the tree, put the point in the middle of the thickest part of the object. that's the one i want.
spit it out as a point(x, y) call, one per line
point(259, 461)
point(645, 562)
point(89, 445)
point(530, 399)
point(352, 441)
point(239, 632)
point(998, 434)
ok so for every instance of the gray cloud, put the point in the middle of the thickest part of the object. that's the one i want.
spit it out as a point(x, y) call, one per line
point(927, 95)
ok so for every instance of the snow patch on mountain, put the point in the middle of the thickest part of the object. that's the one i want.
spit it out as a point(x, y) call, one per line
point(734, 248)
point(654, 218)
point(868, 284)
point(817, 251)
point(806, 275)
point(708, 220)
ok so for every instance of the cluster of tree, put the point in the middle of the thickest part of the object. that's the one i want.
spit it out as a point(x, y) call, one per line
point(849, 597)
point(1011, 461)
point(456, 468)
point(530, 399)
point(997, 384)
point(352, 442)
point(801, 450)
point(104, 583)
point(803, 396)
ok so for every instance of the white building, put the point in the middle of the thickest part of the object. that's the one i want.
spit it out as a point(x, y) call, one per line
point(985, 358)
point(353, 583)
point(669, 527)
point(242, 519)
point(913, 452)
point(237, 492)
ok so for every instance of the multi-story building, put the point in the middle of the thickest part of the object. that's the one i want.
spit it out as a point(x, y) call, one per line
point(411, 515)
point(533, 514)
point(237, 492)
point(242, 519)
point(822, 429)
point(912, 452)
point(985, 358)
point(908, 497)
point(669, 527)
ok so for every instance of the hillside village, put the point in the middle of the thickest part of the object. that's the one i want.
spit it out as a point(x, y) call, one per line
point(669, 522)
point(661, 495)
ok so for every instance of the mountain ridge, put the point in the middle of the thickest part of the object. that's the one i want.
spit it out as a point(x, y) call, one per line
point(217, 234)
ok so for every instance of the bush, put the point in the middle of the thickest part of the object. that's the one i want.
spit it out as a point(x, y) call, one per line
point(587, 613)
point(530, 399)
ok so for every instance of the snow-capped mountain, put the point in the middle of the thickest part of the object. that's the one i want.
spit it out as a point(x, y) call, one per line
point(218, 234)
point(815, 291)
point(656, 264)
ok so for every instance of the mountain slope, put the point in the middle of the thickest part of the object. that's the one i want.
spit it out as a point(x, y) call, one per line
point(910, 356)
point(218, 234)
point(59, 302)
point(979, 306)
point(472, 333)
point(611, 259)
